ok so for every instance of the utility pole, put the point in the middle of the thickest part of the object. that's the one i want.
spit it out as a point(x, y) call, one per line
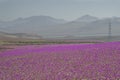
point(109, 31)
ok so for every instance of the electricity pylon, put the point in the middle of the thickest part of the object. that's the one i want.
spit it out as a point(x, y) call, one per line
point(109, 31)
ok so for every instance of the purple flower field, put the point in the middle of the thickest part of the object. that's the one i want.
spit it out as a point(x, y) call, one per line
point(62, 62)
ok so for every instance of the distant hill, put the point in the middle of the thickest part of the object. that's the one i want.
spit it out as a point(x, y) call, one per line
point(10, 36)
point(87, 18)
point(47, 26)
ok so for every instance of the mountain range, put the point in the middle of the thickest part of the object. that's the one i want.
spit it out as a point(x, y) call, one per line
point(47, 26)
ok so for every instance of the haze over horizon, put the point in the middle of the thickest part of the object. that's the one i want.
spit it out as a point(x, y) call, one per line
point(61, 9)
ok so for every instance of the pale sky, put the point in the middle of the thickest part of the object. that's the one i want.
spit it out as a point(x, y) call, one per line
point(63, 9)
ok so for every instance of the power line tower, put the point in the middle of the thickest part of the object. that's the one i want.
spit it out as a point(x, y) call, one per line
point(109, 31)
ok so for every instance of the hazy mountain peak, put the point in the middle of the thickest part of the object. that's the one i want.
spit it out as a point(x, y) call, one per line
point(116, 18)
point(45, 19)
point(87, 18)
point(48, 26)
point(39, 17)
point(18, 19)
